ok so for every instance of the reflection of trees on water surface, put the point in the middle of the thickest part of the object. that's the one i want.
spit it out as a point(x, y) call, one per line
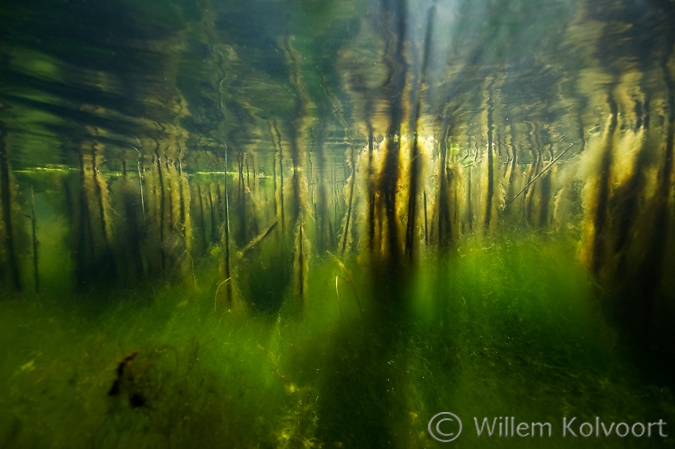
point(158, 137)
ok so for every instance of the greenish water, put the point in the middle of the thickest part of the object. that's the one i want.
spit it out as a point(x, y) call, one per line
point(504, 328)
point(309, 223)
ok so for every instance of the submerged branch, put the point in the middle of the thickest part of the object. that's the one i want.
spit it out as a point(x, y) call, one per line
point(337, 293)
point(253, 243)
point(215, 297)
point(538, 175)
point(348, 280)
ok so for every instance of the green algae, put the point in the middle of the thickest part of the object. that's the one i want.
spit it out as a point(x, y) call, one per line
point(520, 333)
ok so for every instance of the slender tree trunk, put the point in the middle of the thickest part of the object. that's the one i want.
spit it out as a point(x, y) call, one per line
point(6, 189)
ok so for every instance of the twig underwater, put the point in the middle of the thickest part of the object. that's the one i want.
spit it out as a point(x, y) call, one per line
point(337, 294)
point(140, 181)
point(33, 220)
point(348, 279)
point(35, 241)
point(539, 175)
point(215, 297)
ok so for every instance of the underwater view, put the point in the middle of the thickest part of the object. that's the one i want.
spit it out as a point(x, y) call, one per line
point(337, 224)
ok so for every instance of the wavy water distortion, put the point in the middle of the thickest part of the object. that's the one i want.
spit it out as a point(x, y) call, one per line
point(296, 224)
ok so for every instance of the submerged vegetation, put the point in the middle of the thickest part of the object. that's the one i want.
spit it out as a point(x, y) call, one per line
point(318, 224)
point(518, 332)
